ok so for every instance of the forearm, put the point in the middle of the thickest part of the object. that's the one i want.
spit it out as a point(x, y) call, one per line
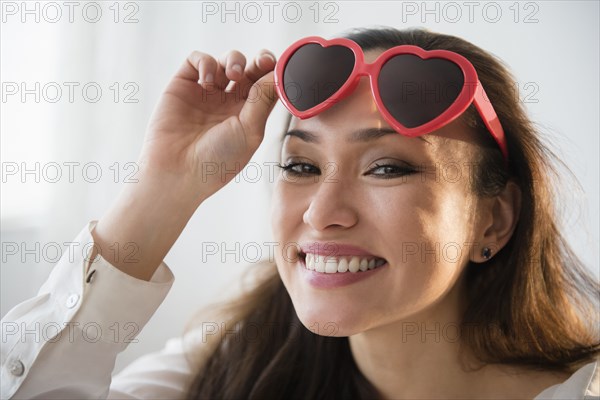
point(140, 228)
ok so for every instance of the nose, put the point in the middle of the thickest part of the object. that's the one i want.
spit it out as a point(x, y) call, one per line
point(332, 205)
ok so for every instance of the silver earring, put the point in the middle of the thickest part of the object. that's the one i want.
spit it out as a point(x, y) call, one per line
point(486, 253)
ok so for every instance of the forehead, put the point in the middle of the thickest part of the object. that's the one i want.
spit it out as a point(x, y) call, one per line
point(357, 130)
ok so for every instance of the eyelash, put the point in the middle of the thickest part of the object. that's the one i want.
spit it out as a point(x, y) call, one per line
point(288, 168)
point(403, 170)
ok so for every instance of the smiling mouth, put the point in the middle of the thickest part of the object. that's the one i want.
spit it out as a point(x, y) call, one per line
point(340, 264)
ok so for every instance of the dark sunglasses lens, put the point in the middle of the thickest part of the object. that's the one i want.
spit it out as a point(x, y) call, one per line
point(416, 91)
point(314, 73)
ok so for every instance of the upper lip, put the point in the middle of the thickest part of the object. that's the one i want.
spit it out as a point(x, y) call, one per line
point(334, 249)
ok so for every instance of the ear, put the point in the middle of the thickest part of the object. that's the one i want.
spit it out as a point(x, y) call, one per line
point(499, 217)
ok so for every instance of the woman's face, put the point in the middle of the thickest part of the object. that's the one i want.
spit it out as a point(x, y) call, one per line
point(402, 199)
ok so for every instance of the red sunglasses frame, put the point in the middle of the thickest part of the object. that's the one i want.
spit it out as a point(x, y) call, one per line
point(460, 104)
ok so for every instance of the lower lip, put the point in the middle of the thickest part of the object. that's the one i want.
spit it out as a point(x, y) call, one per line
point(323, 280)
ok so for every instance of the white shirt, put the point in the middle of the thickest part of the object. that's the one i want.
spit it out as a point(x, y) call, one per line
point(62, 343)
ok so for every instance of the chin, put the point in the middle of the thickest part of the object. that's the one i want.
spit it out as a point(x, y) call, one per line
point(330, 321)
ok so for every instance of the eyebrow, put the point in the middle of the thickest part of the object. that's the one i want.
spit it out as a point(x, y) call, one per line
point(358, 136)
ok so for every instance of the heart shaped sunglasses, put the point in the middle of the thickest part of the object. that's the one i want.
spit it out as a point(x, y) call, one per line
point(416, 91)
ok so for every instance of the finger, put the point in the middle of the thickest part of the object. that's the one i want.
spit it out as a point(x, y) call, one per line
point(207, 69)
point(212, 74)
point(233, 62)
point(199, 67)
point(263, 63)
point(258, 106)
point(189, 68)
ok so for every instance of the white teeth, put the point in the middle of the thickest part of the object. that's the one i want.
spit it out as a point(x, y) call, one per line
point(354, 263)
point(343, 265)
point(310, 262)
point(331, 265)
point(364, 263)
point(320, 263)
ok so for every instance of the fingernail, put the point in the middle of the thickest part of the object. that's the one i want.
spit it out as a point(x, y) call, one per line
point(268, 56)
point(209, 78)
point(237, 68)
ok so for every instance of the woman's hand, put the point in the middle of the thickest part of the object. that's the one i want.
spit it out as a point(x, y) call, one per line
point(202, 132)
point(198, 135)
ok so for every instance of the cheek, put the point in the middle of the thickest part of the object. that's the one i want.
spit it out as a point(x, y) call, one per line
point(286, 213)
point(286, 222)
point(423, 233)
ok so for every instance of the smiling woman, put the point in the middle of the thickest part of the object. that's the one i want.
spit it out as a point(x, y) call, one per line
point(406, 270)
point(411, 248)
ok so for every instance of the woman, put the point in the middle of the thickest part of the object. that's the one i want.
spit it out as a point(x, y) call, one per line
point(407, 267)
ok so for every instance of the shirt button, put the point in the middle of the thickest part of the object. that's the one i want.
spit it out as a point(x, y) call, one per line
point(72, 300)
point(16, 368)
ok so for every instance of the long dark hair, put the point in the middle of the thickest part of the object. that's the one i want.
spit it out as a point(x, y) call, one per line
point(533, 304)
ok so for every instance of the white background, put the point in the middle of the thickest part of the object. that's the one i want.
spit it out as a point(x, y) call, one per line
point(554, 58)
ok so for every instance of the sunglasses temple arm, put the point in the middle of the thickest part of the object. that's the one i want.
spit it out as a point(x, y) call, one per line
point(490, 118)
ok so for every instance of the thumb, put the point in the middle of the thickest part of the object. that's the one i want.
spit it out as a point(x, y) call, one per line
point(259, 104)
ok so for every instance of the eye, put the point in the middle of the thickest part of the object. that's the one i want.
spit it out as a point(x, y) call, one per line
point(389, 171)
point(299, 169)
